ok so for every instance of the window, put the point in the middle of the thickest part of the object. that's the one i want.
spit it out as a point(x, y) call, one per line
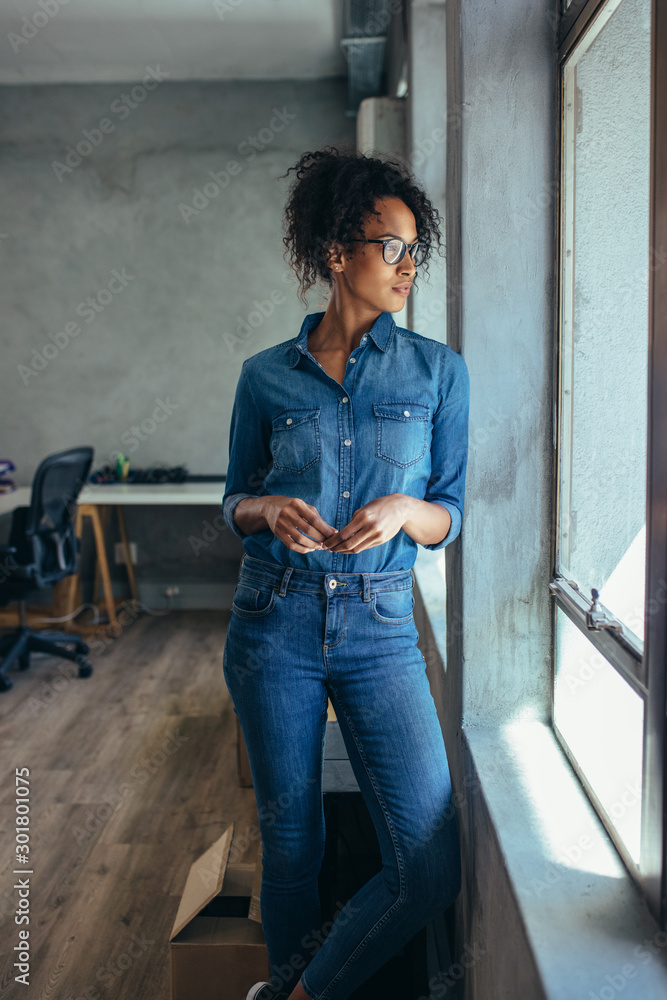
point(611, 431)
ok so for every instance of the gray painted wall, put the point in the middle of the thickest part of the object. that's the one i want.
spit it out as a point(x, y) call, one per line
point(507, 162)
point(507, 302)
point(204, 283)
point(500, 294)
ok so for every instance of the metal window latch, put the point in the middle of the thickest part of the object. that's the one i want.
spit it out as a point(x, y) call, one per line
point(598, 619)
point(555, 585)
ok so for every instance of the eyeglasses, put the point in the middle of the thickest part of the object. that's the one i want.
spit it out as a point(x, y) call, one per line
point(393, 250)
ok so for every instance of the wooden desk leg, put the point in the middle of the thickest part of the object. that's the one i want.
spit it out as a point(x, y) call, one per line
point(67, 593)
point(127, 553)
point(103, 513)
point(92, 512)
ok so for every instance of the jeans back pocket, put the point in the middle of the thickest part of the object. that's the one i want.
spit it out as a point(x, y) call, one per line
point(295, 439)
point(402, 431)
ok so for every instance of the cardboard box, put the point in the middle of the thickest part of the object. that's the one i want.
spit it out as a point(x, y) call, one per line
point(216, 948)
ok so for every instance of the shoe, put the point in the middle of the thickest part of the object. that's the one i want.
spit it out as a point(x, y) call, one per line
point(254, 993)
point(264, 991)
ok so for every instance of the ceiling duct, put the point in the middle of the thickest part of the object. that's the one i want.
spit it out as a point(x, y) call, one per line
point(366, 23)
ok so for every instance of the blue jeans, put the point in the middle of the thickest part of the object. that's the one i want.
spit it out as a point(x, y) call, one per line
point(295, 638)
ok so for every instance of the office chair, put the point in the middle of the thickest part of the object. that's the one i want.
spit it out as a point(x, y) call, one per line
point(43, 549)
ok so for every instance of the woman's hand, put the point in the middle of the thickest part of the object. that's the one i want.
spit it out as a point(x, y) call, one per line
point(374, 523)
point(296, 523)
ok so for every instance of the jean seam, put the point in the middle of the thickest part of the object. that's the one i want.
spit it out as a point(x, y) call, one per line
point(390, 621)
point(255, 614)
point(402, 895)
point(308, 991)
point(332, 645)
point(323, 734)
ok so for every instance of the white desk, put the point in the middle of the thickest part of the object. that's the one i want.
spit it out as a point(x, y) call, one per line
point(94, 496)
point(19, 497)
point(129, 493)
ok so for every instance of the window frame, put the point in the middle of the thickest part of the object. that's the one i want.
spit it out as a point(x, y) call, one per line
point(645, 673)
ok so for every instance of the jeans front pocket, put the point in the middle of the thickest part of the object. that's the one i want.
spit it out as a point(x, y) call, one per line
point(295, 439)
point(393, 607)
point(402, 431)
point(253, 601)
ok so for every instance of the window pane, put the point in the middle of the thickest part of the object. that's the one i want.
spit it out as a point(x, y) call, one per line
point(605, 266)
point(602, 720)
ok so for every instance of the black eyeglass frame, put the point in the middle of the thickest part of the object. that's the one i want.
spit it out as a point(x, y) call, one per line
point(396, 239)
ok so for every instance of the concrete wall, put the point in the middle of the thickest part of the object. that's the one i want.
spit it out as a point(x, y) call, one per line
point(507, 282)
point(427, 151)
point(494, 661)
point(149, 367)
point(506, 129)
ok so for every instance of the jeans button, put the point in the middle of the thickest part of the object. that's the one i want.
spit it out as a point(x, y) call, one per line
point(332, 583)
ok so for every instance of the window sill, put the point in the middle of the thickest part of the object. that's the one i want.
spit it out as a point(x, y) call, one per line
point(586, 924)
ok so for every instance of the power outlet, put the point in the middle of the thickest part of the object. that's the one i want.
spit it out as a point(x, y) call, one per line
point(119, 553)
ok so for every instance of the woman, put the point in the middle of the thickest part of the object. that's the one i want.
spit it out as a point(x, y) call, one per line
point(348, 449)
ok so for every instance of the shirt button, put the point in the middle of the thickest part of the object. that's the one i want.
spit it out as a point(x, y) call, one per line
point(346, 493)
point(344, 400)
point(352, 360)
point(406, 413)
point(289, 420)
point(347, 441)
point(332, 583)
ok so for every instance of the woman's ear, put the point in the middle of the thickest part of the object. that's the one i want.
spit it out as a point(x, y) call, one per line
point(334, 260)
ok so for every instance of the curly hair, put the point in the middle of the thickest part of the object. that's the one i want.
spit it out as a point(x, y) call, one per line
point(329, 199)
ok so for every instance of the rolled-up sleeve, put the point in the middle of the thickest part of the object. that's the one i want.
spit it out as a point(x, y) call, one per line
point(249, 452)
point(449, 443)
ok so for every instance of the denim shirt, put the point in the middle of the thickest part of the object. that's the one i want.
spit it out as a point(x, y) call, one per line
point(397, 424)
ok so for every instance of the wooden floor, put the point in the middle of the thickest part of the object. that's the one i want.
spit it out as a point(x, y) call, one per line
point(132, 776)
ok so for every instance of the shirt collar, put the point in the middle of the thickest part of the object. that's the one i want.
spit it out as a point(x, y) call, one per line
point(380, 333)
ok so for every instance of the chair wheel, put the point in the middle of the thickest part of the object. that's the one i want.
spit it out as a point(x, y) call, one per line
point(5, 683)
point(85, 669)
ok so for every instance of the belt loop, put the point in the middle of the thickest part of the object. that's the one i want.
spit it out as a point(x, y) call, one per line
point(243, 560)
point(285, 580)
point(367, 587)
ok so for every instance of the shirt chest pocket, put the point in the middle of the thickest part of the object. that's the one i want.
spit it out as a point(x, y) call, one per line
point(402, 432)
point(295, 439)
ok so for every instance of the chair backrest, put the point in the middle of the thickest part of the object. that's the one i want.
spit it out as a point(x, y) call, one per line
point(49, 521)
point(57, 482)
